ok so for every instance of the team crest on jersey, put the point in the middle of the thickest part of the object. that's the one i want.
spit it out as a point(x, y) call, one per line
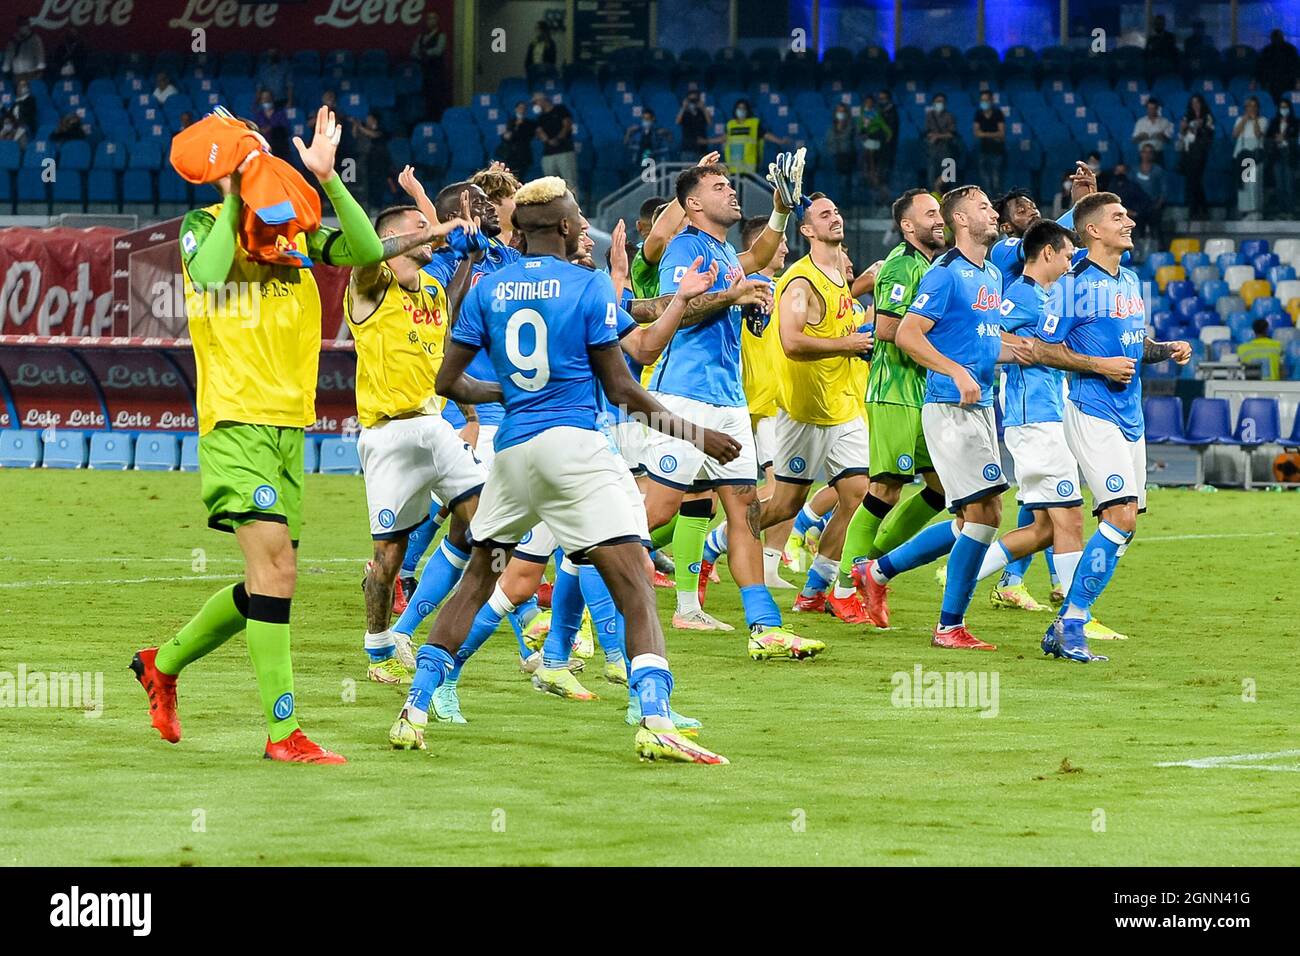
point(797, 465)
point(283, 708)
point(668, 464)
point(1114, 483)
point(264, 496)
point(897, 292)
point(386, 518)
point(904, 462)
point(1065, 488)
point(992, 472)
point(678, 274)
point(919, 302)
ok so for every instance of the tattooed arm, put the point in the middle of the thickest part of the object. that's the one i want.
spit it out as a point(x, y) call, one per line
point(1118, 368)
point(1153, 352)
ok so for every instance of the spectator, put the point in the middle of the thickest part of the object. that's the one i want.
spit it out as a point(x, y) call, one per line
point(1278, 65)
point(1161, 49)
point(515, 148)
point(276, 75)
point(163, 89)
point(840, 149)
point(695, 120)
point(1197, 41)
point(428, 50)
point(889, 147)
point(1283, 152)
point(541, 56)
point(69, 128)
point(1195, 140)
point(1263, 350)
point(185, 120)
point(70, 57)
point(1248, 150)
point(1132, 195)
point(990, 132)
point(272, 123)
point(941, 142)
point(647, 139)
point(1150, 177)
point(22, 113)
point(744, 138)
point(25, 55)
point(373, 162)
point(555, 130)
point(876, 135)
point(1154, 130)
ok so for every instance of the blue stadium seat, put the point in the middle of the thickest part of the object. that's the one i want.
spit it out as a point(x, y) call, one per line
point(1264, 306)
point(1193, 260)
point(64, 449)
point(1212, 291)
point(190, 453)
point(157, 451)
point(1204, 318)
point(1258, 423)
point(1250, 248)
point(1262, 263)
point(1280, 273)
point(20, 449)
point(110, 451)
point(1210, 422)
point(338, 456)
point(310, 455)
point(1187, 307)
point(1159, 259)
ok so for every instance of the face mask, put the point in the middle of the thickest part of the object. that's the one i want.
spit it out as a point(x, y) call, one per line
point(1285, 110)
point(938, 107)
point(647, 124)
point(521, 113)
point(537, 109)
point(742, 113)
point(267, 107)
point(986, 105)
point(841, 117)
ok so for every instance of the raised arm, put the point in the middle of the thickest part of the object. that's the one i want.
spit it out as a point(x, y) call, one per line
point(670, 222)
point(356, 244)
point(757, 256)
point(646, 344)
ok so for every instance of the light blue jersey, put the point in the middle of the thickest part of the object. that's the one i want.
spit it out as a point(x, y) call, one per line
point(703, 361)
point(1008, 253)
point(962, 299)
point(1097, 313)
point(536, 319)
point(1033, 392)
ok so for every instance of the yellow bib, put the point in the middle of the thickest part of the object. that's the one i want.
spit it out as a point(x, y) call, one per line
point(399, 350)
point(762, 365)
point(256, 344)
point(824, 391)
point(742, 145)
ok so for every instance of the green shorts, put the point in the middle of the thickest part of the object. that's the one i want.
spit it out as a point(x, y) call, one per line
point(897, 442)
point(252, 473)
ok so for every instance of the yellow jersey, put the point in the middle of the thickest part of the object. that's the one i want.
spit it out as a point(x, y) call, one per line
point(399, 349)
point(824, 391)
point(762, 363)
point(256, 340)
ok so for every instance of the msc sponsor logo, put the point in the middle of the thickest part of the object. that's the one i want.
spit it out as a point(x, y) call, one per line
point(264, 496)
point(1114, 483)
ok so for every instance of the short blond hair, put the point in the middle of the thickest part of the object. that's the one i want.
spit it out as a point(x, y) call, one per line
point(539, 191)
point(497, 184)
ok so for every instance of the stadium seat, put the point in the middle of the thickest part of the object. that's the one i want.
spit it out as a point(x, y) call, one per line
point(310, 455)
point(1163, 415)
point(1159, 259)
point(190, 453)
point(20, 449)
point(1215, 333)
point(1238, 275)
point(1167, 274)
point(110, 451)
point(1178, 289)
point(1183, 245)
point(1209, 423)
point(1215, 289)
point(64, 449)
point(1264, 306)
point(157, 451)
point(1217, 247)
point(338, 456)
point(1263, 263)
point(1250, 248)
point(1193, 260)
point(1228, 304)
point(1258, 423)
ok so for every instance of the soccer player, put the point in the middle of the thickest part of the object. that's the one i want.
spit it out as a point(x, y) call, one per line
point(895, 394)
point(699, 378)
point(256, 394)
point(1094, 314)
point(398, 317)
point(820, 425)
point(550, 329)
point(952, 330)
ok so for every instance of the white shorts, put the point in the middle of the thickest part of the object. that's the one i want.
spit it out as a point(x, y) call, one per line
point(802, 450)
point(765, 441)
point(631, 438)
point(484, 451)
point(568, 478)
point(1047, 476)
point(1114, 467)
point(963, 444)
point(679, 464)
point(405, 462)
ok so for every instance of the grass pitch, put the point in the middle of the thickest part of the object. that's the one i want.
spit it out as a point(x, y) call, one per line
point(826, 769)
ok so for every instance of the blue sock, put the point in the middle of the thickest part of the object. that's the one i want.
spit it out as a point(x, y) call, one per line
point(1100, 556)
point(1015, 571)
point(486, 622)
point(519, 619)
point(759, 606)
point(804, 519)
point(820, 523)
point(566, 616)
point(440, 576)
point(922, 548)
point(1050, 557)
point(821, 574)
point(652, 683)
point(715, 543)
point(432, 664)
point(420, 538)
point(963, 571)
point(604, 615)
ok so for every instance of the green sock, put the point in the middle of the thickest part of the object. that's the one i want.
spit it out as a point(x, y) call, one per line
point(662, 535)
point(218, 621)
point(858, 542)
point(688, 551)
point(906, 519)
point(268, 646)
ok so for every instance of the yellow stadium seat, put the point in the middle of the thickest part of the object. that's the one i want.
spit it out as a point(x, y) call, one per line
point(1293, 309)
point(1252, 290)
point(1168, 274)
point(1180, 246)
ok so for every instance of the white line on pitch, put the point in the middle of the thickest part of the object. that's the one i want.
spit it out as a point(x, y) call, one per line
point(1238, 762)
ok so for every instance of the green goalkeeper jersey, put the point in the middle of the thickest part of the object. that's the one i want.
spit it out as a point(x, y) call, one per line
point(895, 378)
point(643, 275)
